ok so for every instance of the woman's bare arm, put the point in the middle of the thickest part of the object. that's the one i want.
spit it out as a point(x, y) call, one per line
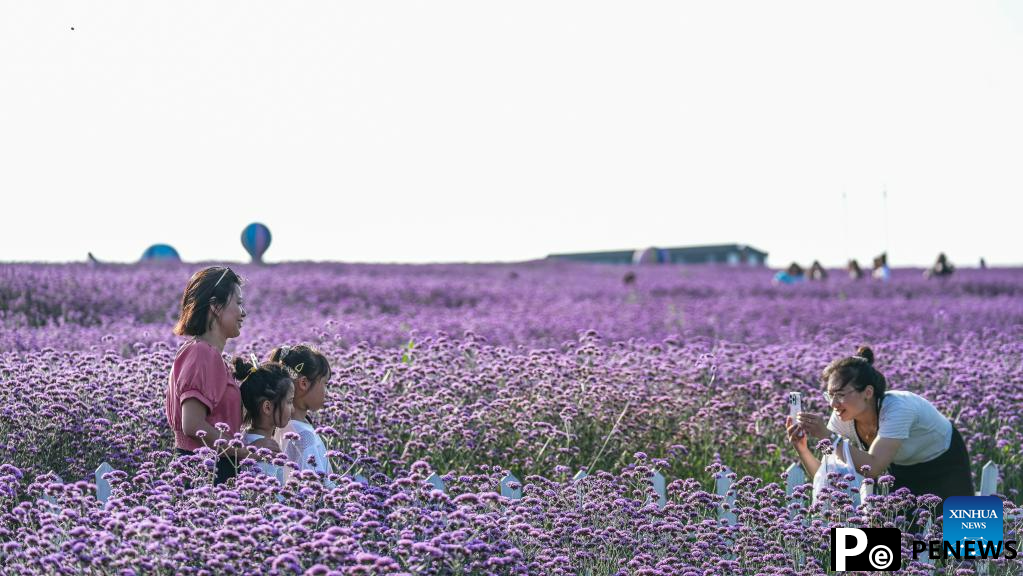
point(193, 420)
point(798, 439)
point(881, 454)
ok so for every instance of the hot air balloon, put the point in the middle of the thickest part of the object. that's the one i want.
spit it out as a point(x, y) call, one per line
point(160, 253)
point(650, 255)
point(256, 239)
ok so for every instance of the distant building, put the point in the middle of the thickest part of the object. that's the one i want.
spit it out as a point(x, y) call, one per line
point(731, 254)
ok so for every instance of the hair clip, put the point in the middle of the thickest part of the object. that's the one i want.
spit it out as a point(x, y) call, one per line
point(253, 369)
point(226, 270)
point(299, 367)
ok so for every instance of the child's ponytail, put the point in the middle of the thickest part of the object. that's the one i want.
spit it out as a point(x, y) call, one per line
point(242, 367)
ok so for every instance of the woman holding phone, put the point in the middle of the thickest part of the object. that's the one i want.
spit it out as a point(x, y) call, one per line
point(896, 431)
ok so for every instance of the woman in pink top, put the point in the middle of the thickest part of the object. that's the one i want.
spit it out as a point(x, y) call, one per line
point(202, 391)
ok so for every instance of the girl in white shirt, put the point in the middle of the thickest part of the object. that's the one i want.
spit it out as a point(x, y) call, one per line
point(268, 393)
point(898, 432)
point(312, 372)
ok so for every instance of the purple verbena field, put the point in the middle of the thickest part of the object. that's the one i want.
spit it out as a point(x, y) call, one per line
point(471, 371)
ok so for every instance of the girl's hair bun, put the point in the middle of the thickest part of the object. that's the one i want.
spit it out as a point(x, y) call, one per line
point(866, 353)
point(242, 367)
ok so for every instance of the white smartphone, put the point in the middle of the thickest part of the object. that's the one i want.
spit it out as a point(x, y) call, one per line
point(795, 404)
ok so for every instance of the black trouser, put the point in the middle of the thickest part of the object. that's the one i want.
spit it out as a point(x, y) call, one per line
point(947, 475)
point(226, 468)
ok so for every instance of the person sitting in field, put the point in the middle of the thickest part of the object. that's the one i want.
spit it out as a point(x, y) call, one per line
point(268, 393)
point(855, 272)
point(881, 270)
point(888, 430)
point(792, 275)
point(817, 272)
point(940, 269)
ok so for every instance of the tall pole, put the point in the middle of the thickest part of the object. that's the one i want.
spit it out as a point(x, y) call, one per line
point(884, 200)
point(845, 216)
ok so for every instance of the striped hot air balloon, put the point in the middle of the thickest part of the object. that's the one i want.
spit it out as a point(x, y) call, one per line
point(256, 239)
point(160, 253)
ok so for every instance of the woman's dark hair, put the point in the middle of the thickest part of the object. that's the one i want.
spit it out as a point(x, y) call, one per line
point(303, 359)
point(207, 287)
point(269, 381)
point(858, 371)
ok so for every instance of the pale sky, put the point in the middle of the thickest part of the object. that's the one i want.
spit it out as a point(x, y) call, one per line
point(395, 131)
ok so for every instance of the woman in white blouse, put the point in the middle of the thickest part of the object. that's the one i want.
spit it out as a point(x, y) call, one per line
point(894, 431)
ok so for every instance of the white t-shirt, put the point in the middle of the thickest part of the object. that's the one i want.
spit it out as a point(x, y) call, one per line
point(308, 444)
point(925, 432)
point(265, 467)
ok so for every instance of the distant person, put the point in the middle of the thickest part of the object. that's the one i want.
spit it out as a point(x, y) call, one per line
point(941, 268)
point(791, 275)
point(817, 272)
point(891, 430)
point(881, 270)
point(983, 263)
point(855, 272)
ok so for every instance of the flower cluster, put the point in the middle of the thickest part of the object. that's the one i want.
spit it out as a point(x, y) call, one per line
point(169, 519)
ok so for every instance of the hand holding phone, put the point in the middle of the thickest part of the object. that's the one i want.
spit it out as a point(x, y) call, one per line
point(795, 404)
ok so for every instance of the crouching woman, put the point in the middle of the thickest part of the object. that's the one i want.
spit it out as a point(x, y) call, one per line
point(894, 431)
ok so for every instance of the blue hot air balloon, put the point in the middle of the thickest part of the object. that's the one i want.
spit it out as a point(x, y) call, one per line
point(256, 239)
point(161, 253)
point(650, 256)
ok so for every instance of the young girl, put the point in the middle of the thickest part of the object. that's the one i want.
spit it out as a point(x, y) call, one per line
point(312, 372)
point(267, 395)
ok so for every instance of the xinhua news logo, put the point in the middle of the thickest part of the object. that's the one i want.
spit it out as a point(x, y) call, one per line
point(972, 528)
point(869, 549)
